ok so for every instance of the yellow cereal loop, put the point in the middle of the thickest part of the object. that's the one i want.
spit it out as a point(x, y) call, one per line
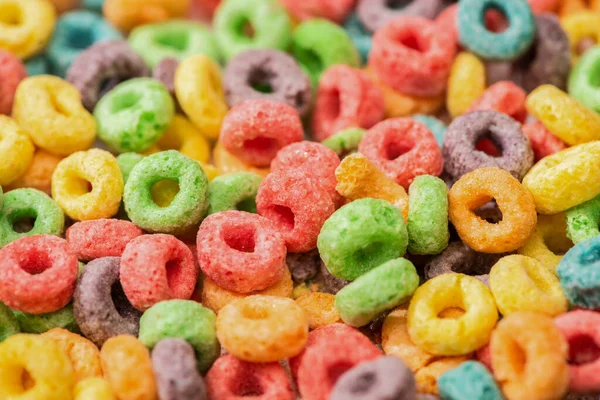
point(262, 328)
point(128, 369)
point(565, 117)
point(16, 151)
point(182, 135)
point(549, 241)
point(88, 185)
point(228, 163)
point(451, 336)
point(26, 26)
point(320, 309)
point(200, 93)
point(465, 84)
point(565, 179)
point(49, 109)
point(84, 355)
point(39, 173)
point(210, 170)
point(215, 297)
point(33, 367)
point(93, 389)
point(358, 178)
point(579, 26)
point(520, 283)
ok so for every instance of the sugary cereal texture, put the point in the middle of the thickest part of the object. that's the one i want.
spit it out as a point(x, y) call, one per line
point(12, 72)
point(320, 309)
point(100, 238)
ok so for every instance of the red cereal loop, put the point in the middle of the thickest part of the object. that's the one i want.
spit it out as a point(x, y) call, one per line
point(12, 72)
point(541, 6)
point(581, 329)
point(484, 356)
point(37, 274)
point(156, 268)
point(543, 142)
point(240, 251)
point(317, 161)
point(101, 238)
point(504, 97)
point(403, 149)
point(297, 206)
point(446, 22)
point(330, 351)
point(255, 130)
point(333, 10)
point(233, 379)
point(413, 56)
point(346, 98)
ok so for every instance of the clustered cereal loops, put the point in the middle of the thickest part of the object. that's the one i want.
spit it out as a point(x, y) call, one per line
point(299, 199)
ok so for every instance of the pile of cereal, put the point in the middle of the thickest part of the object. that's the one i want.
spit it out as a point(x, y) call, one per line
point(299, 199)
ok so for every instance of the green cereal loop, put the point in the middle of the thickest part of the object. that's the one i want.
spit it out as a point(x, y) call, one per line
point(1, 197)
point(382, 288)
point(177, 39)
point(40, 323)
point(583, 220)
point(187, 207)
point(127, 161)
point(8, 323)
point(236, 191)
point(584, 78)
point(427, 215)
point(360, 236)
point(20, 204)
point(345, 141)
point(317, 44)
point(184, 319)
point(267, 20)
point(134, 115)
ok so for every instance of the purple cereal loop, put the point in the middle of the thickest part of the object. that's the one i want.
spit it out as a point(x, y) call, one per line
point(165, 72)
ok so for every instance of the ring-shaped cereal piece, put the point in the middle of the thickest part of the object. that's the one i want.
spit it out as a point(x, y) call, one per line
point(240, 251)
point(320, 308)
point(16, 151)
point(451, 336)
point(12, 72)
point(374, 14)
point(74, 32)
point(177, 40)
point(345, 142)
point(427, 215)
point(9, 325)
point(40, 323)
point(263, 328)
point(127, 14)
point(543, 142)
point(231, 378)
point(93, 388)
point(22, 204)
point(520, 283)
point(227, 163)
point(333, 10)
point(183, 136)
point(578, 274)
point(236, 191)
point(48, 367)
point(583, 220)
point(187, 207)
point(582, 78)
point(28, 27)
point(199, 90)
point(100, 238)
point(460, 148)
point(49, 109)
point(39, 174)
point(578, 27)
point(507, 45)
point(580, 329)
point(268, 21)
point(478, 187)
point(402, 148)
point(465, 84)
point(71, 182)
point(549, 241)
point(103, 66)
point(122, 354)
point(565, 179)
point(529, 357)
point(99, 304)
point(84, 355)
point(39, 274)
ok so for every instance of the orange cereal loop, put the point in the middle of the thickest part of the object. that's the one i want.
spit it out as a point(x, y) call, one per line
point(127, 14)
point(128, 369)
point(320, 309)
point(477, 188)
point(358, 178)
point(427, 377)
point(228, 163)
point(568, 7)
point(549, 241)
point(39, 173)
point(65, 5)
point(529, 357)
point(215, 297)
point(84, 355)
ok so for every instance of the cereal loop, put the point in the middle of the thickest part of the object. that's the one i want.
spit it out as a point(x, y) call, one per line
point(26, 26)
